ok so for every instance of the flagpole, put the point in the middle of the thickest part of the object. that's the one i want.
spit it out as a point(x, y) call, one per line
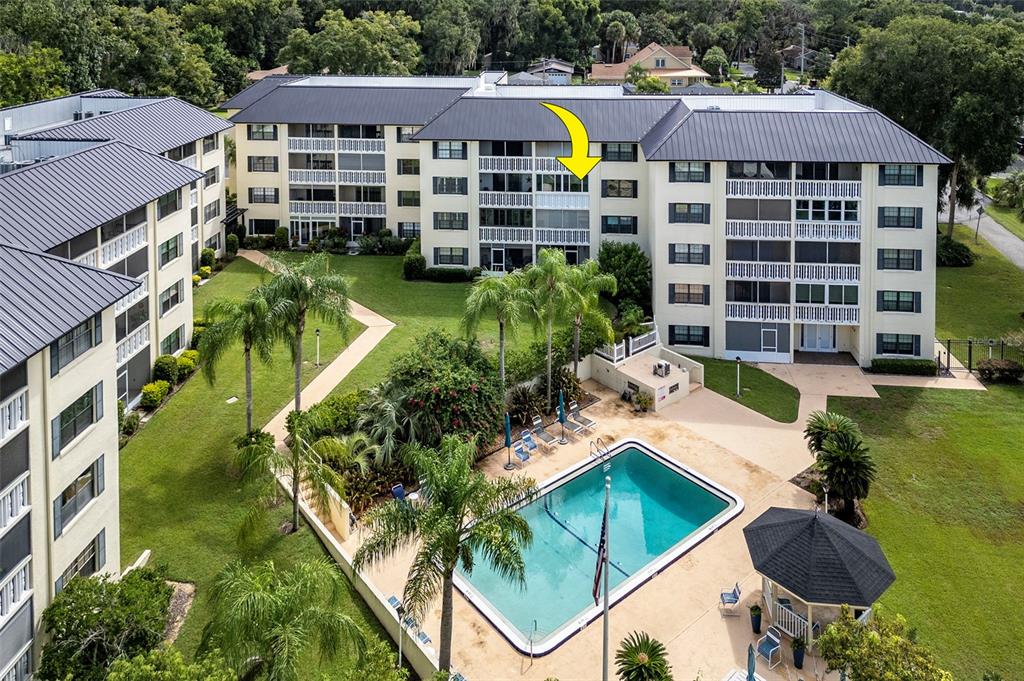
point(607, 497)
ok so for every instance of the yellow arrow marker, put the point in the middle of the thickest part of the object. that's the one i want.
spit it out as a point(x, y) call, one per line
point(580, 163)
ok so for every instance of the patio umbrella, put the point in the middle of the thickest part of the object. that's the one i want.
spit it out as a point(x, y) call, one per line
point(561, 415)
point(508, 442)
point(818, 558)
point(751, 663)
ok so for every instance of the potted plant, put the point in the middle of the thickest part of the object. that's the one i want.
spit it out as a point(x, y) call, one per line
point(755, 618)
point(642, 401)
point(799, 645)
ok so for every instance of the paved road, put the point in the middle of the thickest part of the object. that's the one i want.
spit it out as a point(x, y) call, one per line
point(1002, 239)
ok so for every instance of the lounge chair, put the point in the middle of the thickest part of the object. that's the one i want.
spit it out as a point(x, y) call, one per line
point(575, 426)
point(542, 434)
point(528, 441)
point(423, 638)
point(769, 647)
point(520, 453)
point(729, 600)
point(574, 409)
point(398, 492)
point(394, 602)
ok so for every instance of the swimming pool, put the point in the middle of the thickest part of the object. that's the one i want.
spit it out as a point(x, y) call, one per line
point(659, 510)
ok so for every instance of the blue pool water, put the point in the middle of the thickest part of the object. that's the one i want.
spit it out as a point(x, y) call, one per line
point(654, 507)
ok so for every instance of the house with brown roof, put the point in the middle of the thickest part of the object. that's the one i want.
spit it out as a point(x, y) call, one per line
point(673, 64)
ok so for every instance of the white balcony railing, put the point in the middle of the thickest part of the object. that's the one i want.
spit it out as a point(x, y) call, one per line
point(506, 235)
point(132, 343)
point(15, 589)
point(362, 145)
point(195, 233)
point(312, 176)
point(506, 199)
point(826, 314)
point(757, 229)
point(828, 231)
point(562, 200)
point(91, 258)
point(760, 189)
point(563, 237)
point(313, 207)
point(361, 209)
point(644, 340)
point(758, 312)
point(123, 245)
point(826, 272)
point(193, 198)
point(764, 271)
point(14, 502)
point(190, 162)
point(313, 144)
point(506, 164)
point(133, 297)
point(13, 413)
point(827, 189)
point(547, 164)
point(361, 177)
point(613, 353)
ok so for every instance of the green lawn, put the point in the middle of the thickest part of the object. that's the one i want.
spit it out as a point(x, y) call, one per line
point(948, 508)
point(176, 497)
point(980, 301)
point(761, 391)
point(1007, 217)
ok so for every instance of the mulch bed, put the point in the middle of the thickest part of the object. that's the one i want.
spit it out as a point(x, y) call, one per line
point(498, 444)
point(181, 601)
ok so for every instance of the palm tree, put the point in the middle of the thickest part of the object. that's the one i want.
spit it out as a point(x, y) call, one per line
point(822, 425)
point(615, 33)
point(550, 296)
point(847, 467)
point(390, 421)
point(504, 298)
point(266, 621)
point(1010, 192)
point(308, 288)
point(255, 322)
point(466, 516)
point(586, 284)
point(642, 658)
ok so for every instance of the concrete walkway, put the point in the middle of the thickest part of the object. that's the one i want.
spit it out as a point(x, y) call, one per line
point(1002, 239)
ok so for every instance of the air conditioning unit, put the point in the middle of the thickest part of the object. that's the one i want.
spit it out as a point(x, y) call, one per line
point(662, 368)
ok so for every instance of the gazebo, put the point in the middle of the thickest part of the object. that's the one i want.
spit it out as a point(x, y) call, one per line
point(811, 564)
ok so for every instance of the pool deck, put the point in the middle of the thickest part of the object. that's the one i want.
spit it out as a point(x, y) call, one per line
point(749, 454)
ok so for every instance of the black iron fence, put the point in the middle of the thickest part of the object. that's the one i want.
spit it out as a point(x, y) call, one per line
point(964, 354)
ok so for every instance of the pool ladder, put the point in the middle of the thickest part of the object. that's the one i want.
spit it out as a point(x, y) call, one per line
point(598, 449)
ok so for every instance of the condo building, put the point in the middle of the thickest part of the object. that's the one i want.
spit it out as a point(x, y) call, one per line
point(774, 223)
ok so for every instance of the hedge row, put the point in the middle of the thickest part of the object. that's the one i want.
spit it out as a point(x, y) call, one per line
point(904, 367)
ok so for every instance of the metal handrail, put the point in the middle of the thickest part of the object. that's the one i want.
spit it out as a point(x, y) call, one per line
point(598, 449)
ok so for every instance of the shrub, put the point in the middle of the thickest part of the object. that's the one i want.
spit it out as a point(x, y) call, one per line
point(281, 239)
point(131, 423)
point(231, 245)
point(120, 414)
point(382, 243)
point(195, 280)
point(642, 401)
point(524, 365)
point(251, 242)
point(523, 403)
point(192, 355)
point(218, 266)
point(632, 271)
point(564, 380)
point(197, 333)
point(1000, 371)
point(449, 275)
point(165, 368)
point(340, 412)
point(205, 272)
point(414, 265)
point(952, 253)
point(186, 365)
point(167, 663)
point(905, 367)
point(153, 394)
point(207, 257)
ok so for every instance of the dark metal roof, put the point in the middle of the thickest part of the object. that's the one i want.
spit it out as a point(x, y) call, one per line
point(348, 105)
point(818, 558)
point(156, 126)
point(255, 91)
point(46, 296)
point(837, 136)
point(48, 203)
point(622, 119)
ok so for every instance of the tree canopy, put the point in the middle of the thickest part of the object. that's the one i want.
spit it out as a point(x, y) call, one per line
point(372, 43)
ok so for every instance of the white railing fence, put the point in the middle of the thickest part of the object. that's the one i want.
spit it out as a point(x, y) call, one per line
point(123, 245)
point(359, 144)
point(757, 229)
point(826, 272)
point(507, 235)
point(311, 144)
point(14, 501)
point(13, 413)
point(506, 199)
point(570, 237)
point(742, 269)
point(509, 164)
point(827, 189)
point(826, 314)
point(763, 189)
point(312, 176)
point(761, 312)
point(131, 344)
point(15, 589)
point(828, 231)
point(357, 208)
point(133, 297)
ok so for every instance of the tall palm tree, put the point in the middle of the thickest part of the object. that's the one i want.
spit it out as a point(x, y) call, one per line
point(1010, 192)
point(255, 322)
point(586, 284)
point(506, 299)
point(642, 658)
point(266, 621)
point(547, 280)
point(822, 425)
point(847, 468)
point(390, 421)
point(466, 516)
point(615, 33)
point(307, 289)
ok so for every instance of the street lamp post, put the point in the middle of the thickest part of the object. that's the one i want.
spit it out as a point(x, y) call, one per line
point(977, 227)
point(318, 348)
point(737, 376)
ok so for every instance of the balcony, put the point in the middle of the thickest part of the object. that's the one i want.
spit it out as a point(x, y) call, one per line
point(826, 272)
point(311, 144)
point(758, 189)
point(361, 145)
point(827, 189)
point(312, 176)
point(563, 237)
point(757, 312)
point(313, 208)
point(361, 177)
point(13, 414)
point(362, 209)
point(828, 231)
point(757, 229)
point(506, 164)
point(132, 343)
point(506, 199)
point(506, 235)
point(193, 198)
point(122, 245)
point(826, 314)
point(562, 200)
point(546, 164)
point(190, 162)
point(15, 589)
point(133, 297)
point(758, 271)
point(91, 258)
point(14, 502)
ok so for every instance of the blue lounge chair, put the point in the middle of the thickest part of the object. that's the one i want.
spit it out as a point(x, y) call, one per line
point(769, 647)
point(528, 442)
point(398, 492)
point(729, 599)
point(520, 453)
point(423, 638)
point(394, 602)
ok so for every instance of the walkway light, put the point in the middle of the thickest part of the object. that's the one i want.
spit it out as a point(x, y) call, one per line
point(318, 348)
point(737, 375)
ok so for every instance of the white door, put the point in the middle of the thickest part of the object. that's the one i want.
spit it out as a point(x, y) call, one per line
point(497, 259)
point(769, 340)
point(817, 338)
point(826, 338)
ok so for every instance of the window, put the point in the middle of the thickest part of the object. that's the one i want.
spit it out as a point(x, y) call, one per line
point(842, 295)
point(172, 342)
point(74, 343)
point(901, 175)
point(899, 259)
point(659, 62)
point(688, 335)
point(832, 211)
point(688, 294)
point(262, 131)
point(811, 293)
point(689, 171)
point(211, 211)
point(168, 203)
point(446, 220)
point(184, 151)
point(76, 496)
point(408, 198)
point(899, 301)
point(898, 344)
point(170, 249)
point(320, 130)
point(618, 189)
point(561, 182)
point(90, 561)
point(405, 133)
point(618, 224)
point(264, 195)
point(451, 256)
point(170, 298)
point(408, 166)
point(211, 176)
point(213, 242)
point(79, 415)
point(408, 230)
point(757, 170)
point(262, 225)
point(699, 213)
point(618, 151)
point(506, 217)
point(263, 164)
point(450, 150)
point(210, 143)
point(370, 132)
point(506, 182)
point(827, 171)
point(893, 216)
point(689, 254)
point(451, 185)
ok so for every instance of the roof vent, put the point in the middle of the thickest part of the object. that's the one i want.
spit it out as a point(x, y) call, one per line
point(484, 88)
point(714, 107)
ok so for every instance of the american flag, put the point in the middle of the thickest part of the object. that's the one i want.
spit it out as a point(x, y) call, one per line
point(602, 555)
